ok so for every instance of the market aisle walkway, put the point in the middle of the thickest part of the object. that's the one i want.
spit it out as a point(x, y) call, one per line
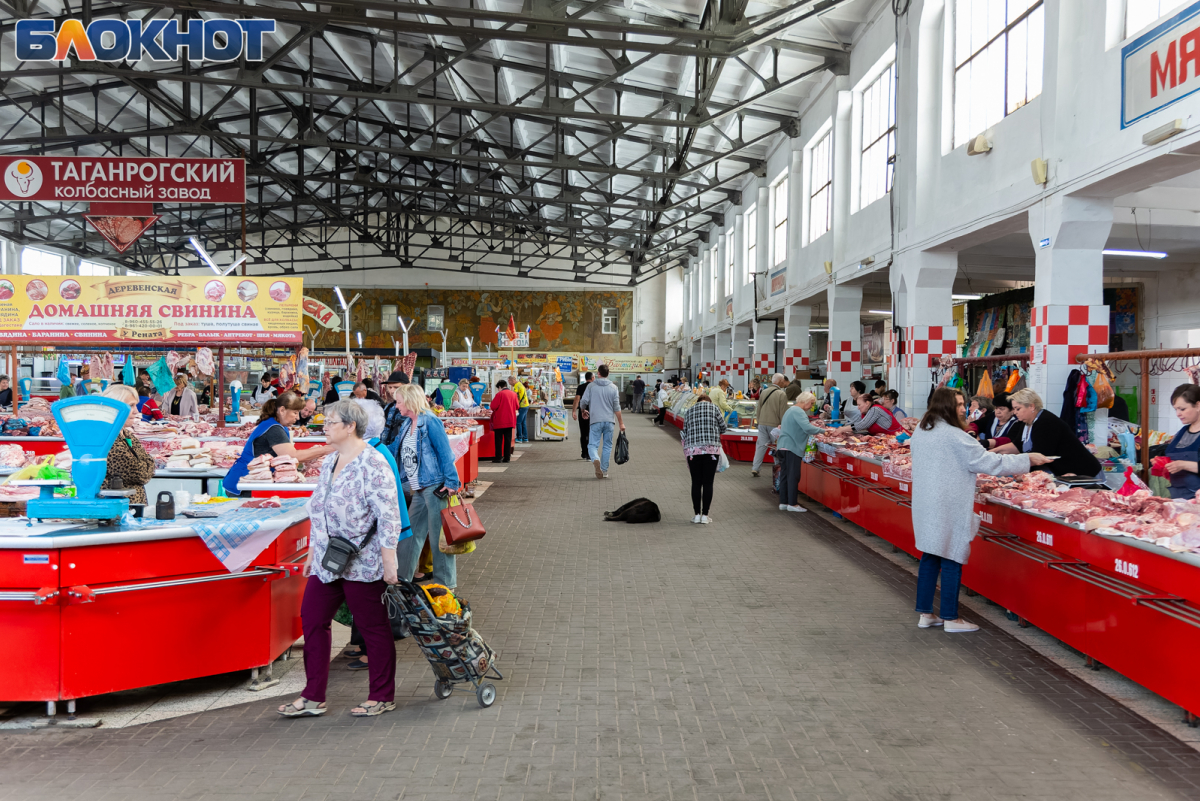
point(762, 657)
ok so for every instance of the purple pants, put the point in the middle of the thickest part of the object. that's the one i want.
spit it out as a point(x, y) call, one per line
point(321, 602)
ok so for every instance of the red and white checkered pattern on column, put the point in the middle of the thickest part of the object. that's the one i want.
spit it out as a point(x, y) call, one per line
point(764, 363)
point(929, 340)
point(1059, 333)
point(741, 365)
point(794, 359)
point(843, 358)
point(722, 368)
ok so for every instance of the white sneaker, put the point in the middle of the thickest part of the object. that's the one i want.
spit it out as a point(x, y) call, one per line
point(796, 509)
point(697, 519)
point(706, 520)
point(605, 474)
point(959, 626)
point(782, 506)
point(927, 621)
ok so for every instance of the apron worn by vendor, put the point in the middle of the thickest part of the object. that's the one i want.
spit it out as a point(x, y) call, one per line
point(240, 469)
point(892, 427)
point(1184, 484)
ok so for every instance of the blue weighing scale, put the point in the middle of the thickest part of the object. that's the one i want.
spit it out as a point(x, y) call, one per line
point(25, 387)
point(235, 403)
point(90, 425)
point(344, 389)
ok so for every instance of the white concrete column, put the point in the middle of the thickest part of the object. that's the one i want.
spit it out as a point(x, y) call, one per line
point(12, 257)
point(841, 174)
point(762, 362)
point(1069, 316)
point(722, 363)
point(71, 264)
point(697, 356)
point(796, 319)
point(922, 283)
point(735, 241)
point(844, 357)
point(741, 357)
point(708, 354)
point(720, 253)
point(795, 217)
point(762, 249)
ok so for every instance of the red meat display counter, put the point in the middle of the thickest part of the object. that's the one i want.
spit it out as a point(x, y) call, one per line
point(739, 445)
point(1122, 602)
point(79, 604)
point(40, 446)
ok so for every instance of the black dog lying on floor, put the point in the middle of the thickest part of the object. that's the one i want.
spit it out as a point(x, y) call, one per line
point(639, 510)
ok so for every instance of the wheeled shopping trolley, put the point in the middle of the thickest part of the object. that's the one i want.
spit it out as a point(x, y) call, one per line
point(456, 652)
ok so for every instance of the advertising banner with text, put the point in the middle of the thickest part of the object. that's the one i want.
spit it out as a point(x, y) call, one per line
point(132, 309)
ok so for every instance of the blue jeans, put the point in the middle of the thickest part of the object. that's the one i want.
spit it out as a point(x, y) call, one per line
point(598, 432)
point(927, 577)
point(425, 517)
point(523, 424)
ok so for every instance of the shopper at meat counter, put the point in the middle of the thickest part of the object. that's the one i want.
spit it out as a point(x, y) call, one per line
point(146, 404)
point(505, 407)
point(945, 461)
point(719, 398)
point(789, 450)
point(1184, 450)
point(874, 418)
point(127, 458)
point(182, 399)
point(772, 403)
point(355, 496)
point(271, 436)
point(427, 471)
point(703, 425)
point(1039, 431)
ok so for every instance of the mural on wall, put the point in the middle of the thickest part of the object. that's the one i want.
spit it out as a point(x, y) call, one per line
point(559, 321)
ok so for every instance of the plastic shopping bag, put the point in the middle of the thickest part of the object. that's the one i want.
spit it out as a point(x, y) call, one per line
point(621, 449)
point(1132, 483)
point(985, 386)
point(722, 463)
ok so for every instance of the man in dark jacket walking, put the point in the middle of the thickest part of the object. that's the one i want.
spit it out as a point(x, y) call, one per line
point(584, 423)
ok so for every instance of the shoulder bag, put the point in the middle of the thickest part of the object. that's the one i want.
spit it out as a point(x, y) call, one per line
point(341, 551)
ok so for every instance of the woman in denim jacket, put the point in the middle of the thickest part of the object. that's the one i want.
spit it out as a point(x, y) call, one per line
point(422, 452)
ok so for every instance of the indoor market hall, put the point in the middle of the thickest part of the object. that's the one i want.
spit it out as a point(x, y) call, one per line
point(696, 400)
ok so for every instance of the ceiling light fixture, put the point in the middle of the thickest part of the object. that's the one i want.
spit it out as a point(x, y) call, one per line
point(966, 297)
point(1137, 254)
point(879, 311)
point(213, 265)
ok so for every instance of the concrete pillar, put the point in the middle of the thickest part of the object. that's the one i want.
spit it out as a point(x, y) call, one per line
point(844, 358)
point(734, 240)
point(697, 356)
point(708, 354)
point(11, 255)
point(922, 283)
point(1069, 316)
point(763, 360)
point(795, 218)
point(741, 357)
point(762, 248)
point(71, 264)
point(796, 319)
point(722, 367)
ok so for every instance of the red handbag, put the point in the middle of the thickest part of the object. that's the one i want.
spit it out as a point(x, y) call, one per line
point(461, 523)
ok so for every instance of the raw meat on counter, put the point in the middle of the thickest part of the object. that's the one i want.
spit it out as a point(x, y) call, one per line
point(285, 469)
point(263, 503)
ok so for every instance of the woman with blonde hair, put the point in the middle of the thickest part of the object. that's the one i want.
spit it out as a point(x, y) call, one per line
point(181, 401)
point(794, 431)
point(428, 474)
point(127, 458)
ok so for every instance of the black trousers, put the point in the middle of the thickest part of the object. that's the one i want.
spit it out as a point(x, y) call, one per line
point(584, 425)
point(504, 444)
point(789, 480)
point(662, 415)
point(703, 469)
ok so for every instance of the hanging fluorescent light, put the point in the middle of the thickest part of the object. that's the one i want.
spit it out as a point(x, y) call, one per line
point(200, 251)
point(879, 311)
point(359, 333)
point(341, 297)
point(1137, 254)
point(966, 297)
point(818, 330)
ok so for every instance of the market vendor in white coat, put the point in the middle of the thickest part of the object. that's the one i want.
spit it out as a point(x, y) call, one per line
point(945, 461)
point(271, 436)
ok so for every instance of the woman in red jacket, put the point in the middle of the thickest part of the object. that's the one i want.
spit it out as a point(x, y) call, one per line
point(504, 419)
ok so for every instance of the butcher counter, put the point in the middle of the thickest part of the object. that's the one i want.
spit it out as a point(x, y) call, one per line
point(79, 603)
point(1122, 602)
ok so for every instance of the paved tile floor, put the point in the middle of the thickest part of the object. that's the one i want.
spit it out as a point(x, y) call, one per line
point(766, 656)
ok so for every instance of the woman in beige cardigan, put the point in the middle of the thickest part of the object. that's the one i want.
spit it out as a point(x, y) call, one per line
point(185, 395)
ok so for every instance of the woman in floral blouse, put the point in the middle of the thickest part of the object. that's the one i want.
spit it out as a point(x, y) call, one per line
point(356, 491)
